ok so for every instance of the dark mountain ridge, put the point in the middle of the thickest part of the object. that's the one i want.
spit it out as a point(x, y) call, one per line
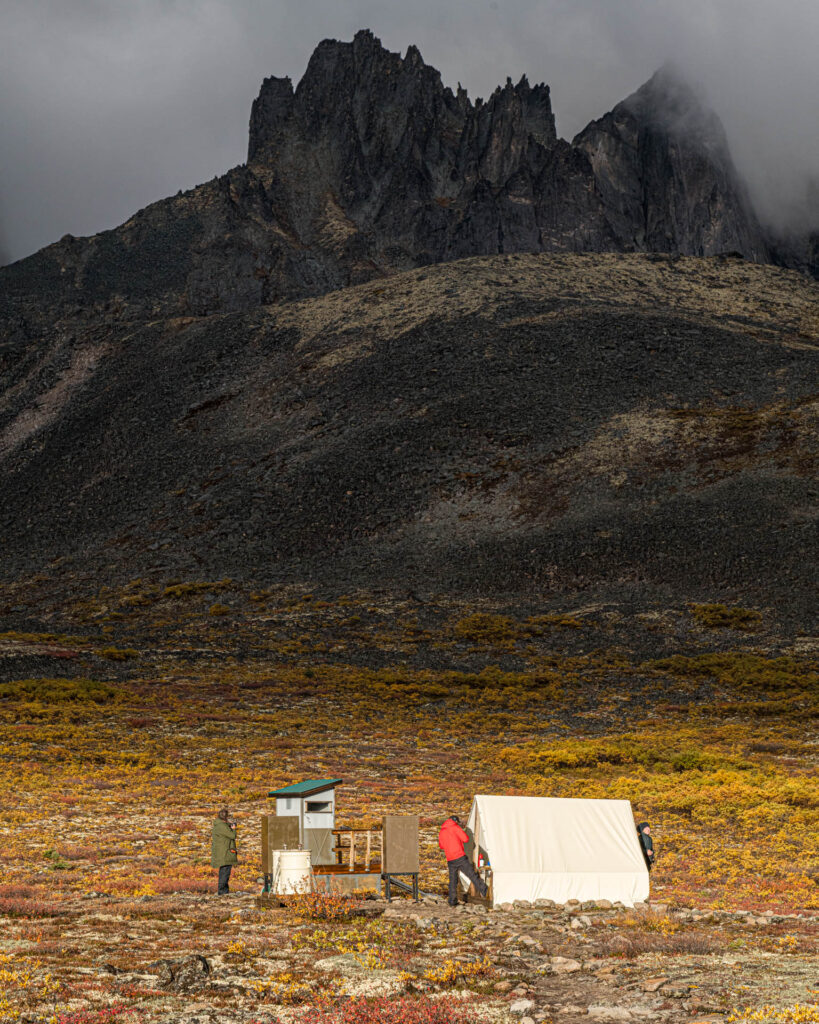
point(595, 421)
point(371, 166)
point(623, 427)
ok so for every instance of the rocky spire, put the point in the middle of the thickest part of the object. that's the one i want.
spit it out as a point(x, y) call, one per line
point(370, 106)
point(663, 167)
point(269, 115)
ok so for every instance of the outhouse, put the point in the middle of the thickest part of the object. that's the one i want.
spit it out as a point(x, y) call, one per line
point(313, 803)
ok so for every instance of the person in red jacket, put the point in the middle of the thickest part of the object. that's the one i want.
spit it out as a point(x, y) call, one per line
point(451, 840)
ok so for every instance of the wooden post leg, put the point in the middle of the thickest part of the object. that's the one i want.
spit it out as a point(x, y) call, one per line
point(369, 842)
point(352, 851)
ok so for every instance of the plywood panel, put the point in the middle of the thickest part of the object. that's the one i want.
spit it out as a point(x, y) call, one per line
point(400, 844)
point(278, 834)
point(320, 842)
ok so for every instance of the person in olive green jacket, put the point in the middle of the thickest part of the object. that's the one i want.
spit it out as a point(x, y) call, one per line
point(223, 849)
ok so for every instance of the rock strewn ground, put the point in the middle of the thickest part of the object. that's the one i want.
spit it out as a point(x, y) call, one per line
point(544, 963)
point(619, 427)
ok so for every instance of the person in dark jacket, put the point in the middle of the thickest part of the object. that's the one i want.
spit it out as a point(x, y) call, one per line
point(451, 840)
point(646, 843)
point(223, 849)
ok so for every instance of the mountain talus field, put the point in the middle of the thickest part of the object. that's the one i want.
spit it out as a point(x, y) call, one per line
point(512, 424)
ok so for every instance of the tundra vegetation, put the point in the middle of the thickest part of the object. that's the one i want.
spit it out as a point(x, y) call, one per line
point(148, 710)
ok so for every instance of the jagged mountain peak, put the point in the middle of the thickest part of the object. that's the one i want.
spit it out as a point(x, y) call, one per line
point(349, 90)
point(371, 165)
point(363, 63)
point(359, 84)
point(664, 169)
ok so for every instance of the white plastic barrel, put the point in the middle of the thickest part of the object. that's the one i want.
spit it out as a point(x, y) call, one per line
point(291, 871)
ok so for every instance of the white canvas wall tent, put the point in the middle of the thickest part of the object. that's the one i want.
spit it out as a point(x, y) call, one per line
point(559, 849)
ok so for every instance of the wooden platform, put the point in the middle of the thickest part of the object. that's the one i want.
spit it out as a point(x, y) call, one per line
point(373, 868)
point(338, 879)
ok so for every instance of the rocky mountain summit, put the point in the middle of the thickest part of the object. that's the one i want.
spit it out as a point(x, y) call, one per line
point(594, 419)
point(371, 166)
point(664, 172)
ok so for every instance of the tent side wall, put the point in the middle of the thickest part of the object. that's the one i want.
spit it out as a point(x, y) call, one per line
point(561, 887)
point(560, 849)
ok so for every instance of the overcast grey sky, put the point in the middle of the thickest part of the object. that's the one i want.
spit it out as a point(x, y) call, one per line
point(107, 105)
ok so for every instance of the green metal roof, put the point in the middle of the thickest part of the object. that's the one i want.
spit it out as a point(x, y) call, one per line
point(305, 788)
